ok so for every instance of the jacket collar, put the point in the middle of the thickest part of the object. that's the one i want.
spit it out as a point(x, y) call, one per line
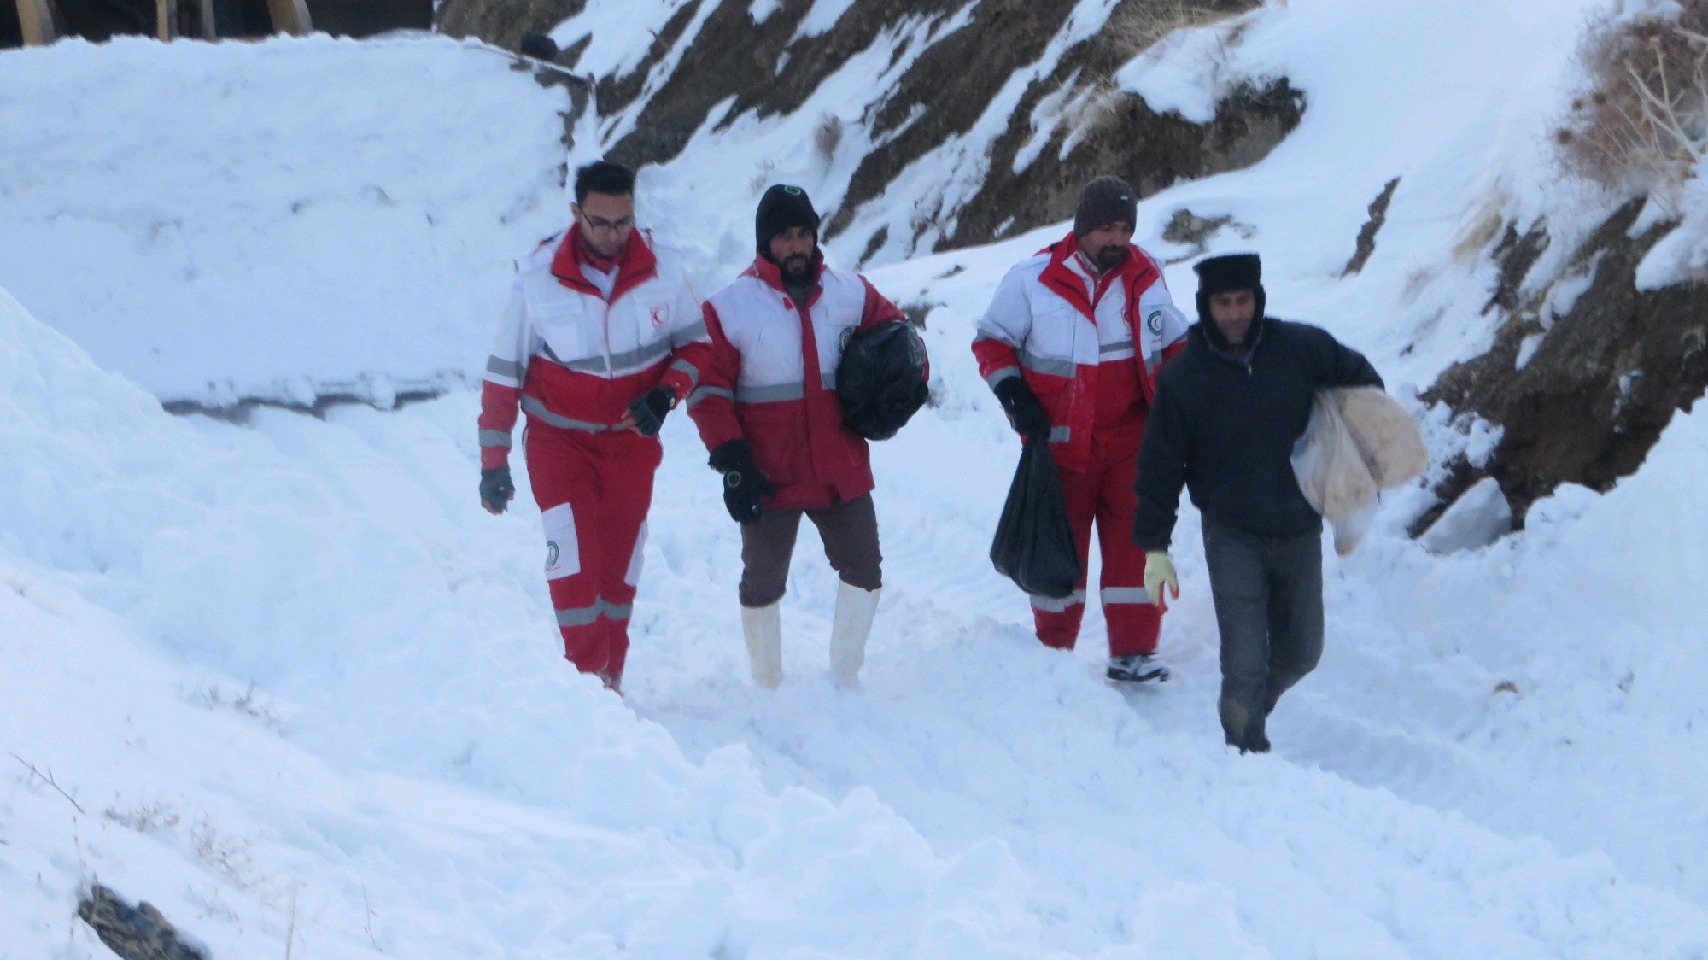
point(636, 264)
point(1060, 276)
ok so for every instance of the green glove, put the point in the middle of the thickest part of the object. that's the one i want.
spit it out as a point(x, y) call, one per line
point(1159, 570)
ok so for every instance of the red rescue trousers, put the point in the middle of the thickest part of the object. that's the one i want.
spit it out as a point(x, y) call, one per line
point(594, 490)
point(1104, 493)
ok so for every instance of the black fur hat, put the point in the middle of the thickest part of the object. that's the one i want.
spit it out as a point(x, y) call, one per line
point(1104, 201)
point(782, 207)
point(1231, 271)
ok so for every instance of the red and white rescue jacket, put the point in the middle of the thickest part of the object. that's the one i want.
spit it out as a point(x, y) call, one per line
point(772, 381)
point(573, 355)
point(1089, 346)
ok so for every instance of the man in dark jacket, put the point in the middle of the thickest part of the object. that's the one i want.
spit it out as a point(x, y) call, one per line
point(1226, 415)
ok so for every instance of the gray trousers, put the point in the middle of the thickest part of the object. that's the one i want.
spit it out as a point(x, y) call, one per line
point(850, 534)
point(1268, 593)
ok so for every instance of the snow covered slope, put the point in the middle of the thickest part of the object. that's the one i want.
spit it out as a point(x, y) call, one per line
point(241, 221)
point(294, 687)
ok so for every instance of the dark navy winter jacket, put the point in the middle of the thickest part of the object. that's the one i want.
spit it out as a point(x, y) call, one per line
point(1225, 429)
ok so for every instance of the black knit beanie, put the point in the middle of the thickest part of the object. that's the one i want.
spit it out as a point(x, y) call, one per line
point(782, 207)
point(1104, 201)
point(1232, 271)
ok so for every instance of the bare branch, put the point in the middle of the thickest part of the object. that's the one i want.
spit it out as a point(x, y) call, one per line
point(47, 778)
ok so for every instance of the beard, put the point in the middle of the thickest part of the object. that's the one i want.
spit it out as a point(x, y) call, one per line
point(1111, 257)
point(797, 267)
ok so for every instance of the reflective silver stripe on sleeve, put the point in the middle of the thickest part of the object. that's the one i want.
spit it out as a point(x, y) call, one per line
point(534, 408)
point(774, 394)
point(688, 335)
point(1125, 595)
point(1058, 604)
point(827, 380)
point(1060, 434)
point(998, 376)
point(508, 370)
point(495, 438)
point(692, 371)
point(1152, 361)
point(702, 393)
point(1046, 365)
point(583, 616)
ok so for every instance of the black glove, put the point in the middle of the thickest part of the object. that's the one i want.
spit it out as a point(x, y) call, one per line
point(648, 410)
point(496, 490)
point(744, 485)
point(1025, 414)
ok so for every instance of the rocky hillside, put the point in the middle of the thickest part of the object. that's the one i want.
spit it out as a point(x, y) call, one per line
point(1011, 101)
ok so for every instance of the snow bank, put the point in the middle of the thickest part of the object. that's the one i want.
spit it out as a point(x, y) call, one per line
point(300, 611)
point(197, 215)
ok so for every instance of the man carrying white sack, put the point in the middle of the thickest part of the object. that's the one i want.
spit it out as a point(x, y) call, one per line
point(1224, 421)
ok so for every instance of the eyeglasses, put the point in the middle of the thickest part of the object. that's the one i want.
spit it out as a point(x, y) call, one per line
point(600, 223)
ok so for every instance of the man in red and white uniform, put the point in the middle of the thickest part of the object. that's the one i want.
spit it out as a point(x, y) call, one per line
point(768, 411)
point(600, 339)
point(1070, 345)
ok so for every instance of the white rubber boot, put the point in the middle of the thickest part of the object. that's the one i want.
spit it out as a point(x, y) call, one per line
point(854, 610)
point(763, 627)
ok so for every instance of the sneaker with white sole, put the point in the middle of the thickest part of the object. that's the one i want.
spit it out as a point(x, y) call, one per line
point(1137, 668)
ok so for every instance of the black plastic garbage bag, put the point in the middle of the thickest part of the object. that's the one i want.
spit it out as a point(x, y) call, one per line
point(1034, 544)
point(880, 380)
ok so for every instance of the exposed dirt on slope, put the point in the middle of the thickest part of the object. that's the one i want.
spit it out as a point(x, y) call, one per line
point(958, 77)
point(1601, 382)
point(731, 57)
point(1151, 151)
point(764, 69)
point(503, 23)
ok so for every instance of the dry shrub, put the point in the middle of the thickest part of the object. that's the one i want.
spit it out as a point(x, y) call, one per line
point(1643, 124)
point(1096, 102)
point(827, 137)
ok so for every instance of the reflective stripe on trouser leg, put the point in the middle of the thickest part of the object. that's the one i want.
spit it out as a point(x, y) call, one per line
point(606, 482)
point(1134, 621)
point(1056, 619)
point(1134, 624)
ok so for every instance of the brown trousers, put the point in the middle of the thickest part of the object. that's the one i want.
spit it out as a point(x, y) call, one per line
point(850, 534)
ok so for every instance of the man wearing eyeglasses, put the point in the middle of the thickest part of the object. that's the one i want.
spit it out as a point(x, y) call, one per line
point(601, 338)
point(769, 413)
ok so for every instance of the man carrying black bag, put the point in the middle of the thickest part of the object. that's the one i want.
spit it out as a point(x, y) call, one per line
point(1070, 345)
point(1034, 544)
point(768, 410)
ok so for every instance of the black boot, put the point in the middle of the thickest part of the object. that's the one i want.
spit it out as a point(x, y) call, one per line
point(1243, 728)
point(1256, 737)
